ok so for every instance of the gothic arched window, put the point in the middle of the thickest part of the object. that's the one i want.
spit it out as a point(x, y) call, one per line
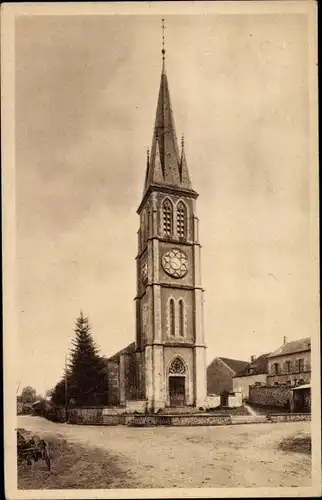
point(177, 367)
point(167, 217)
point(181, 318)
point(172, 317)
point(181, 220)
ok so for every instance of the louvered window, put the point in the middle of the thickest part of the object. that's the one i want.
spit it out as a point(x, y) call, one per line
point(167, 218)
point(181, 220)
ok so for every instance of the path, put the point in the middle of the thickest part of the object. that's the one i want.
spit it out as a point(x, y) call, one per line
point(226, 456)
point(250, 410)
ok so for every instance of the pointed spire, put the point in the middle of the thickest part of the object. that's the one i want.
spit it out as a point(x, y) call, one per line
point(184, 172)
point(147, 166)
point(166, 165)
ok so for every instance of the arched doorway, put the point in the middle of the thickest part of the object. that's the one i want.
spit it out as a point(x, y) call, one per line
point(177, 383)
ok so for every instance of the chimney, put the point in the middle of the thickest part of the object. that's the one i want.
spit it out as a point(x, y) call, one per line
point(284, 340)
point(252, 358)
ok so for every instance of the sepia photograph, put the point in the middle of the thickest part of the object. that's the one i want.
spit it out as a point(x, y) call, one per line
point(160, 250)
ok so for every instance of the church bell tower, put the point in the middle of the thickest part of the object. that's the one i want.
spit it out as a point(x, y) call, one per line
point(169, 300)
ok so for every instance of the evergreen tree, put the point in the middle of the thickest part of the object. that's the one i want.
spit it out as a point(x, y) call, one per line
point(86, 379)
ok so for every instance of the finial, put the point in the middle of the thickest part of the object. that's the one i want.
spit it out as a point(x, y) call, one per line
point(182, 141)
point(163, 49)
point(148, 155)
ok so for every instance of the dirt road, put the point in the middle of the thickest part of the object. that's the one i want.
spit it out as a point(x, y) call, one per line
point(167, 457)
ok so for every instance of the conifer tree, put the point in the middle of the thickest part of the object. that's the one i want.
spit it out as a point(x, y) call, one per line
point(86, 380)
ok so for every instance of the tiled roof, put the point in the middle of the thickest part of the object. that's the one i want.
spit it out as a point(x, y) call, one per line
point(257, 367)
point(235, 364)
point(292, 347)
point(127, 350)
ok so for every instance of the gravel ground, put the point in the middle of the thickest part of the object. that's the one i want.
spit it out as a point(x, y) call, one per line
point(249, 455)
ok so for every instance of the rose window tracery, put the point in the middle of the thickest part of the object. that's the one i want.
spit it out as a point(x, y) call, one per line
point(175, 263)
point(177, 367)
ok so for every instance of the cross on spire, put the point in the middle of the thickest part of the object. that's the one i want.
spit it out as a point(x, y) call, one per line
point(163, 40)
point(166, 165)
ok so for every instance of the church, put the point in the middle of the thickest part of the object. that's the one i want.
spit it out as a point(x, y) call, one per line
point(165, 366)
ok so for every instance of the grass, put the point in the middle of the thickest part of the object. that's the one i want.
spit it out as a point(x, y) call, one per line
point(297, 444)
point(73, 467)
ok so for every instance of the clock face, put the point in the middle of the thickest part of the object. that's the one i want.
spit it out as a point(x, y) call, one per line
point(175, 263)
point(144, 271)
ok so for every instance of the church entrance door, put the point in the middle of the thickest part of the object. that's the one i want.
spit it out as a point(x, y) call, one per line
point(177, 391)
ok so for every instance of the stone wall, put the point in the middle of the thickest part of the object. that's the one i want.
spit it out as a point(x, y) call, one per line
point(113, 383)
point(56, 414)
point(113, 420)
point(242, 384)
point(235, 400)
point(98, 416)
point(177, 420)
point(291, 417)
point(212, 402)
point(89, 416)
point(278, 395)
point(131, 377)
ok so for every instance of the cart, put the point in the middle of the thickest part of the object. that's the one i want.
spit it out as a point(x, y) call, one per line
point(32, 450)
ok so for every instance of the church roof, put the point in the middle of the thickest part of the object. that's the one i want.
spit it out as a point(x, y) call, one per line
point(167, 165)
point(129, 349)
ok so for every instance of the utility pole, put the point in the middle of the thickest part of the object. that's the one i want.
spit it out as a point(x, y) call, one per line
point(66, 390)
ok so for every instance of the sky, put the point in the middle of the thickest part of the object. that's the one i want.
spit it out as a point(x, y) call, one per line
point(86, 94)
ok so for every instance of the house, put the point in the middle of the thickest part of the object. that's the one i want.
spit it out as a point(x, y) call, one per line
point(254, 373)
point(220, 375)
point(290, 364)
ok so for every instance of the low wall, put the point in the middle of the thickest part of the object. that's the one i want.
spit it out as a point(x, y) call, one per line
point(236, 400)
point(212, 402)
point(89, 416)
point(114, 419)
point(97, 416)
point(56, 414)
point(278, 395)
point(290, 417)
point(176, 420)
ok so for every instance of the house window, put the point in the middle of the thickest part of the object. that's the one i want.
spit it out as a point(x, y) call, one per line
point(276, 369)
point(167, 217)
point(181, 220)
point(287, 366)
point(181, 318)
point(172, 318)
point(301, 365)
